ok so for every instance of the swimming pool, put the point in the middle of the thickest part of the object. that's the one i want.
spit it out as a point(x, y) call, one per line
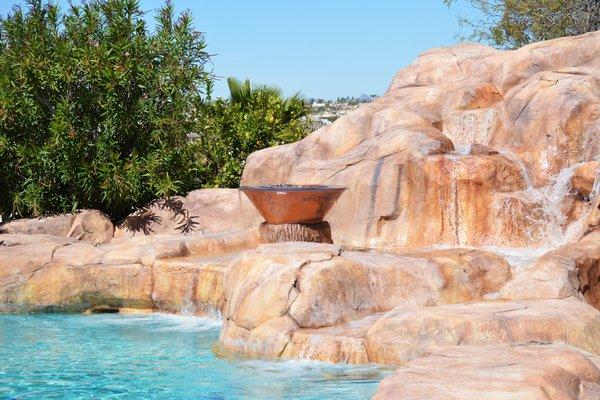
point(153, 356)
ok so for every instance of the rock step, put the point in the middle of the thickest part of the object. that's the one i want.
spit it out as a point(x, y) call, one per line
point(406, 333)
point(172, 273)
point(496, 372)
point(190, 284)
point(343, 343)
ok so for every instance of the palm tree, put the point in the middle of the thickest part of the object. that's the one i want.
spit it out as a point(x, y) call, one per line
point(242, 92)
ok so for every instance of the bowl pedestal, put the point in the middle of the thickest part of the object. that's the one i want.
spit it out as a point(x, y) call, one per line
point(319, 232)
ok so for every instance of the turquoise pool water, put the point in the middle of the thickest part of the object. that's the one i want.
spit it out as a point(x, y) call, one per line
point(112, 356)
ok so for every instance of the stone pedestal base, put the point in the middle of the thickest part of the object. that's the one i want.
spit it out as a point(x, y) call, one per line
point(319, 232)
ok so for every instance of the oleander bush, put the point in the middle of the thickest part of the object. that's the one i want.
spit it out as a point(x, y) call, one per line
point(96, 108)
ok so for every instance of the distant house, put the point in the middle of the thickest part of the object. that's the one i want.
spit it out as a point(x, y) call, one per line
point(324, 112)
point(192, 137)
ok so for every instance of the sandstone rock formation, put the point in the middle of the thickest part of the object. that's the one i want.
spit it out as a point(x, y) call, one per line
point(469, 146)
point(584, 177)
point(410, 181)
point(91, 226)
point(56, 225)
point(305, 285)
point(406, 333)
point(571, 270)
point(320, 302)
point(173, 273)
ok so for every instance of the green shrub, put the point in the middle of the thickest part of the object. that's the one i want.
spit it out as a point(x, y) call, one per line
point(95, 108)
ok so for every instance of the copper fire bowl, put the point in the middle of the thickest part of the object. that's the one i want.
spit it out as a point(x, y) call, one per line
point(293, 204)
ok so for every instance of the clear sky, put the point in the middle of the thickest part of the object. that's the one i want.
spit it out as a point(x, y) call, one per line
point(323, 48)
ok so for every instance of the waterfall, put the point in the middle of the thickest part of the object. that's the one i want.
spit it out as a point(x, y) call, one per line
point(188, 304)
point(552, 223)
point(552, 198)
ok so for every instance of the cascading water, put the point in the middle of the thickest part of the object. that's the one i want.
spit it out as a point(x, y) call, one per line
point(546, 212)
point(559, 233)
point(552, 222)
point(189, 306)
point(524, 170)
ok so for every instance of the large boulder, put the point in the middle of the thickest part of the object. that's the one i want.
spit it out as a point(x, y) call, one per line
point(295, 286)
point(316, 301)
point(212, 210)
point(92, 226)
point(571, 270)
point(405, 160)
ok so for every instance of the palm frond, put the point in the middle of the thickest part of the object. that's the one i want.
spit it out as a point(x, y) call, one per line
point(239, 92)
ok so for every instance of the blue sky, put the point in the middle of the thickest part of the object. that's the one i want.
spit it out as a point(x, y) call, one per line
point(326, 48)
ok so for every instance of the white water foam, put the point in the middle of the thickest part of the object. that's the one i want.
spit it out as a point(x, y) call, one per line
point(158, 321)
point(300, 367)
point(519, 258)
point(186, 323)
